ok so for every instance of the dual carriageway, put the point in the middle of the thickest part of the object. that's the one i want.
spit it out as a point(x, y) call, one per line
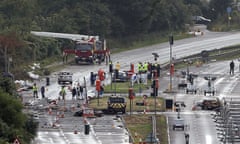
point(201, 128)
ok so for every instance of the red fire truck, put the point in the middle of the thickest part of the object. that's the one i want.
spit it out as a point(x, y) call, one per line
point(87, 49)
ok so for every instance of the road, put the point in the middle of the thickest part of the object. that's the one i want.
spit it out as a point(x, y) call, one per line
point(180, 49)
point(200, 124)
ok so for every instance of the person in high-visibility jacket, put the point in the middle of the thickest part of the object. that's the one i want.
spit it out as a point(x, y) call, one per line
point(139, 66)
point(117, 66)
point(145, 67)
point(62, 93)
point(35, 90)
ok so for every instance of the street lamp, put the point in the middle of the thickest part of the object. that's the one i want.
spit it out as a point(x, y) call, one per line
point(171, 43)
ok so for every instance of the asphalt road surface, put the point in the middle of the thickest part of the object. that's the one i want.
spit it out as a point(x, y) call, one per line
point(180, 48)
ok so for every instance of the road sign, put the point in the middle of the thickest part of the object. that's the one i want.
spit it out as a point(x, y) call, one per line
point(229, 9)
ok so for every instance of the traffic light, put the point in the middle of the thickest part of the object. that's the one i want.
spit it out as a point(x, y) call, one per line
point(155, 86)
point(171, 40)
point(98, 85)
point(111, 68)
point(130, 93)
point(172, 69)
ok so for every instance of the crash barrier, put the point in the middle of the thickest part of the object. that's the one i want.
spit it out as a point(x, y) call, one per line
point(200, 58)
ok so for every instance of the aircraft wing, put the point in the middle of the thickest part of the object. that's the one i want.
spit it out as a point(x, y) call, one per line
point(74, 37)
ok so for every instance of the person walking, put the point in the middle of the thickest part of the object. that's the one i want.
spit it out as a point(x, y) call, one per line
point(232, 68)
point(62, 93)
point(81, 91)
point(35, 91)
point(74, 92)
point(43, 91)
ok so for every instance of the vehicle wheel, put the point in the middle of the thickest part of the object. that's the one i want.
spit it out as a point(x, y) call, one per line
point(205, 108)
point(213, 93)
point(195, 92)
point(183, 128)
point(187, 91)
point(205, 93)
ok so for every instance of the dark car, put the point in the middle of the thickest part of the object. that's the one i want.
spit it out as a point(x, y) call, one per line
point(210, 103)
point(122, 77)
point(97, 113)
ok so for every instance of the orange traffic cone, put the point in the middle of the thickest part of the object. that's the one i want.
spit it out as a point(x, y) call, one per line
point(85, 120)
point(73, 107)
point(49, 111)
point(62, 115)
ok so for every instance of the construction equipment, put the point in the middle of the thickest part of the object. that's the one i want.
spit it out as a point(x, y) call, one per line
point(87, 49)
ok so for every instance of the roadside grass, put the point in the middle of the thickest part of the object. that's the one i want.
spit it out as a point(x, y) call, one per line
point(123, 87)
point(101, 103)
point(140, 126)
point(145, 40)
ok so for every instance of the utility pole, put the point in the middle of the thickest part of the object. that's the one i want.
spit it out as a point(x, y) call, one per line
point(171, 43)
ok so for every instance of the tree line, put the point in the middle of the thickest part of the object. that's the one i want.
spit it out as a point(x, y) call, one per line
point(116, 20)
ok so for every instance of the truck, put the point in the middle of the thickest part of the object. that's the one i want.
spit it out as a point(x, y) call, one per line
point(115, 105)
point(65, 77)
point(91, 50)
point(87, 49)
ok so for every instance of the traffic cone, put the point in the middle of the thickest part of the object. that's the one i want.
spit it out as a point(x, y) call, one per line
point(73, 107)
point(75, 132)
point(85, 120)
point(49, 111)
point(62, 115)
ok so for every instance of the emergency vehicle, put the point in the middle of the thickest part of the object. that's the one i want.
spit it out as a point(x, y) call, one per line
point(87, 49)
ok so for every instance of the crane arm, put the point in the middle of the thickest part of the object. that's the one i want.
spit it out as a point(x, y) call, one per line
point(74, 37)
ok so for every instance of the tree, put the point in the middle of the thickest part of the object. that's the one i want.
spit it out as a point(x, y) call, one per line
point(219, 7)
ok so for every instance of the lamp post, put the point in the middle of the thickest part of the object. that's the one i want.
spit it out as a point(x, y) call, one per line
point(171, 43)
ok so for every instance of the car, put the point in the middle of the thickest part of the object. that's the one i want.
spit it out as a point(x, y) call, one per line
point(96, 113)
point(210, 89)
point(182, 80)
point(210, 103)
point(122, 77)
point(191, 88)
point(178, 123)
point(179, 104)
point(65, 77)
point(91, 94)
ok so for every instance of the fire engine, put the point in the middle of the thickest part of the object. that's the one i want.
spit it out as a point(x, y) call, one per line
point(87, 49)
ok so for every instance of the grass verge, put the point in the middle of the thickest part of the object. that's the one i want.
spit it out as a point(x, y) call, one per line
point(149, 104)
point(140, 126)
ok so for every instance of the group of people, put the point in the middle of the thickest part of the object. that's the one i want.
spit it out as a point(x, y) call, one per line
point(35, 91)
point(76, 91)
point(145, 71)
